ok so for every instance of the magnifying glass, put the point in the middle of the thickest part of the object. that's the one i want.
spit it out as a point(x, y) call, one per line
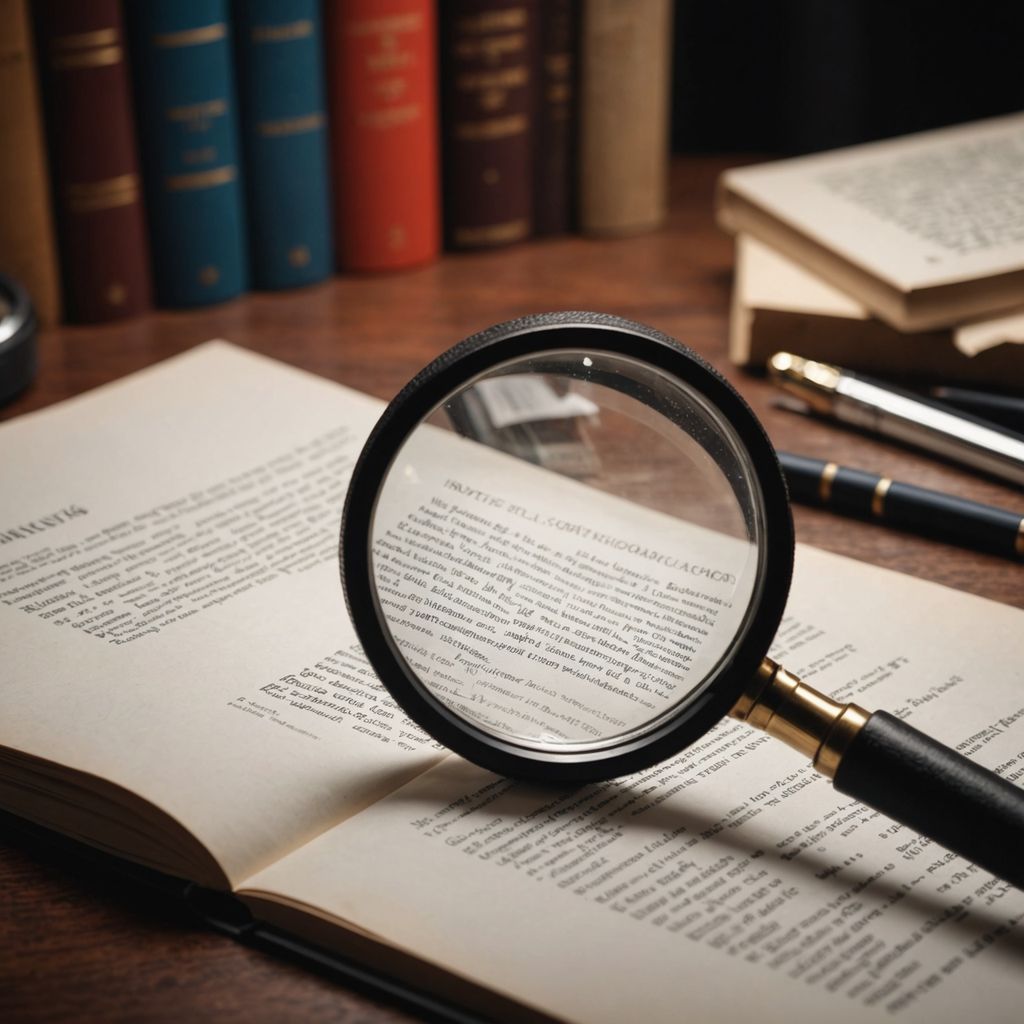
point(566, 549)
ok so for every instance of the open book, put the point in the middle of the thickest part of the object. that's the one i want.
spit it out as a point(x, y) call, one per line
point(181, 687)
point(925, 230)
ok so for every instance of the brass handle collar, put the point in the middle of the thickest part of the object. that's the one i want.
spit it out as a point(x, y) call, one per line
point(784, 707)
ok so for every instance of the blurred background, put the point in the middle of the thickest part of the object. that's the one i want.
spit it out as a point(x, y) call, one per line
point(795, 76)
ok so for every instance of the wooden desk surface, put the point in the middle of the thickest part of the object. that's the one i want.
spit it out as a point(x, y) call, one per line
point(76, 945)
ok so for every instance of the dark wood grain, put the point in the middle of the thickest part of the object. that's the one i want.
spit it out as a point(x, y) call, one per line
point(79, 946)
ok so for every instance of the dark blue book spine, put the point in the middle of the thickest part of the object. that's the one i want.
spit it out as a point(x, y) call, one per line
point(182, 60)
point(284, 136)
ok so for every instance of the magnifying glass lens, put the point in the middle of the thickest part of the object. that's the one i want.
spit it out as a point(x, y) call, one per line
point(566, 551)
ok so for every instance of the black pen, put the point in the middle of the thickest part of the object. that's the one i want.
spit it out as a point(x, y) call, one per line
point(876, 406)
point(1002, 409)
point(854, 492)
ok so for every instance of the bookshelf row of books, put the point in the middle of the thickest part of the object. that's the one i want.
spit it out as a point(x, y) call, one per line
point(180, 152)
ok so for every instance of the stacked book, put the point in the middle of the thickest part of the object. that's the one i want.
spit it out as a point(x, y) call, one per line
point(902, 258)
point(180, 152)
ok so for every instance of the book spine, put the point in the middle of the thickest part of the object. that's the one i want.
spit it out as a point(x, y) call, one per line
point(382, 77)
point(284, 138)
point(27, 249)
point(98, 193)
point(624, 104)
point(188, 133)
point(489, 57)
point(556, 112)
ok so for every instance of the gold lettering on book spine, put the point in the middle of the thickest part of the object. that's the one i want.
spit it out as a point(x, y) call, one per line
point(201, 179)
point(291, 125)
point(495, 128)
point(558, 87)
point(96, 49)
point(191, 36)
point(391, 116)
point(198, 111)
point(506, 78)
point(282, 33)
point(89, 196)
point(86, 40)
point(493, 234)
point(492, 88)
point(387, 64)
point(492, 21)
point(558, 65)
point(389, 60)
point(491, 49)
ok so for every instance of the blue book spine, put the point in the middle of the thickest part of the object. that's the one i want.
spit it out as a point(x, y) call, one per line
point(188, 129)
point(284, 136)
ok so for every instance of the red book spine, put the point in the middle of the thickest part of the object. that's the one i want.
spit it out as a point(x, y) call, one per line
point(103, 248)
point(382, 88)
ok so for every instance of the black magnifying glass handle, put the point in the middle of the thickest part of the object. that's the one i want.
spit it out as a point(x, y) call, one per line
point(895, 769)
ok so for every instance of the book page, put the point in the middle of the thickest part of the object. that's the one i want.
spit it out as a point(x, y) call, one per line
point(168, 560)
point(925, 210)
point(974, 338)
point(731, 882)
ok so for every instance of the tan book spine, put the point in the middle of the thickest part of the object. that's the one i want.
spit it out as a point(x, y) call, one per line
point(27, 247)
point(625, 67)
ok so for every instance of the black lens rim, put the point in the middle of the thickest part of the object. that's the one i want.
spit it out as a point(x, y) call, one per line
point(537, 334)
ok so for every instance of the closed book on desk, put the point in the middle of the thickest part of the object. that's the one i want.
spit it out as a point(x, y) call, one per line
point(778, 305)
point(188, 128)
point(625, 69)
point(103, 248)
point(923, 230)
point(488, 86)
point(382, 78)
point(554, 153)
point(27, 247)
point(284, 135)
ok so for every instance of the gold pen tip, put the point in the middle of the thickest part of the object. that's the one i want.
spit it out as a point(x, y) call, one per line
point(783, 362)
point(811, 381)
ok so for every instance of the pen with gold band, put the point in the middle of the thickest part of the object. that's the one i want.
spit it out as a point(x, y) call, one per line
point(854, 492)
point(902, 415)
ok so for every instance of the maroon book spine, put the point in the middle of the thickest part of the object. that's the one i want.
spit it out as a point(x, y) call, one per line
point(556, 118)
point(489, 57)
point(98, 195)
